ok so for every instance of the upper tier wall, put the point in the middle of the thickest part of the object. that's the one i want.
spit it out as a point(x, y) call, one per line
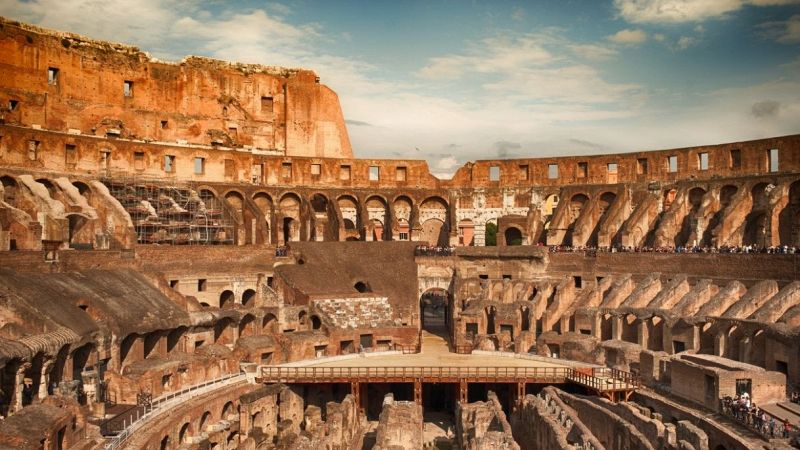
point(62, 81)
point(30, 149)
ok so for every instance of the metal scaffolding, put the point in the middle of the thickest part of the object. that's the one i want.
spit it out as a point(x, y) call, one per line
point(170, 212)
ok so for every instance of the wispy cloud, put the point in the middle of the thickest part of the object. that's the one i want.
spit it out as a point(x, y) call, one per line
point(783, 31)
point(676, 11)
point(628, 37)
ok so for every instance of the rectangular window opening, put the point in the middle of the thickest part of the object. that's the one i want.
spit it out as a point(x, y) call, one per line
point(138, 160)
point(583, 170)
point(552, 171)
point(702, 161)
point(230, 169)
point(201, 285)
point(672, 164)
point(70, 154)
point(344, 172)
point(164, 124)
point(773, 160)
point(33, 149)
point(169, 163)
point(173, 284)
point(52, 76)
point(286, 170)
point(199, 165)
point(257, 174)
point(494, 173)
point(641, 166)
point(316, 169)
point(374, 173)
point(400, 174)
point(266, 105)
point(12, 104)
point(524, 172)
point(612, 167)
point(127, 88)
point(736, 159)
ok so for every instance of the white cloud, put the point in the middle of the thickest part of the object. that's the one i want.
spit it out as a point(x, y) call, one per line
point(593, 52)
point(685, 42)
point(659, 37)
point(785, 32)
point(675, 11)
point(447, 163)
point(628, 37)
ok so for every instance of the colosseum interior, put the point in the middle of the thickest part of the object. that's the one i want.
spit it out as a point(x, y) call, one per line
point(192, 258)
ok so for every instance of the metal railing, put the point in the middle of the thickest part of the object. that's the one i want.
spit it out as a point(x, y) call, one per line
point(167, 401)
point(328, 374)
point(604, 379)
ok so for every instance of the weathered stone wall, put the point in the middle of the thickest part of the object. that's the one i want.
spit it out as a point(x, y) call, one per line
point(399, 426)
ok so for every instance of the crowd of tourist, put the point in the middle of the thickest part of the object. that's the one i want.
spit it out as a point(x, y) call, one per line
point(749, 414)
point(282, 251)
point(795, 397)
point(427, 250)
point(742, 249)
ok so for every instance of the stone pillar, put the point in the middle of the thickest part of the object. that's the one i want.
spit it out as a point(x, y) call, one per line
point(616, 328)
point(643, 333)
point(291, 408)
point(597, 325)
point(19, 382)
point(44, 378)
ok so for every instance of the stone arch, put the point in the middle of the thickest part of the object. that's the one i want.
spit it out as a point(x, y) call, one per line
point(322, 226)
point(403, 208)
point(513, 236)
point(378, 214)
point(204, 421)
point(316, 323)
point(247, 326)
point(269, 324)
point(290, 205)
point(236, 202)
point(226, 299)
point(577, 204)
point(185, 432)
point(434, 308)
point(302, 319)
point(433, 217)
point(10, 190)
point(266, 208)
point(165, 443)
point(223, 331)
point(249, 298)
point(350, 211)
point(227, 410)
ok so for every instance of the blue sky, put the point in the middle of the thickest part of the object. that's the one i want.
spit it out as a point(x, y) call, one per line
point(452, 81)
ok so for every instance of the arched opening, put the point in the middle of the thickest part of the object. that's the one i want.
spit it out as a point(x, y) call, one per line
point(290, 209)
point(302, 318)
point(525, 321)
point(377, 211)
point(490, 234)
point(247, 327)
point(725, 198)
point(362, 287)
point(9, 190)
point(184, 432)
point(513, 236)
point(165, 443)
point(349, 208)
point(249, 298)
point(266, 207)
point(576, 207)
point(223, 331)
point(320, 230)
point(434, 220)
point(403, 209)
point(204, 421)
point(756, 230)
point(434, 311)
point(226, 299)
point(227, 410)
point(269, 325)
point(316, 323)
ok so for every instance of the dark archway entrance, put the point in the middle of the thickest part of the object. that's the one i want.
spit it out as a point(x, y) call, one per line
point(433, 313)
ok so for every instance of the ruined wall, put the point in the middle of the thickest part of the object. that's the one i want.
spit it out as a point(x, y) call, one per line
point(61, 81)
point(400, 426)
